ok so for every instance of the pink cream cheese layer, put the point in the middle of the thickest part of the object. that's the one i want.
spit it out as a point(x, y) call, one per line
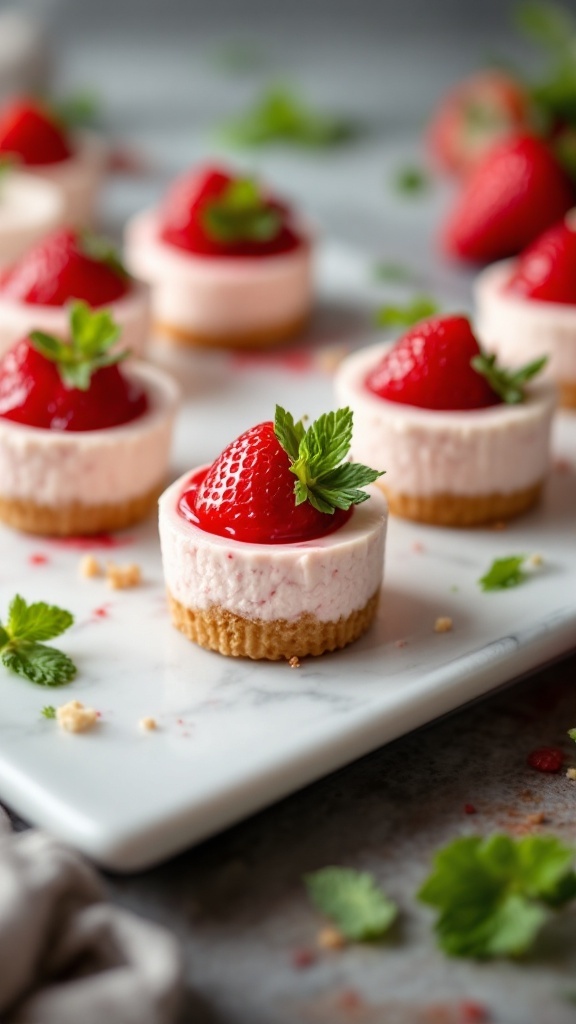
point(92, 467)
point(29, 209)
point(330, 577)
point(213, 295)
point(521, 329)
point(499, 450)
point(79, 178)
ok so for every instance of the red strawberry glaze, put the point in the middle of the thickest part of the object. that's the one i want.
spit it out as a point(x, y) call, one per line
point(57, 270)
point(546, 270)
point(248, 494)
point(32, 393)
point(516, 191)
point(181, 218)
point(429, 367)
point(28, 132)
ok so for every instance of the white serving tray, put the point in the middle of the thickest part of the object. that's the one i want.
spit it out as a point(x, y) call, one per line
point(236, 735)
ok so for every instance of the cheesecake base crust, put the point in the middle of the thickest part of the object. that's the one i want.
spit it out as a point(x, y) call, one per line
point(567, 394)
point(220, 630)
point(461, 510)
point(273, 335)
point(76, 519)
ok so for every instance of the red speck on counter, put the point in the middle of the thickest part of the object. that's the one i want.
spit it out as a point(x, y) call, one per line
point(102, 612)
point(546, 759)
point(470, 809)
point(473, 1013)
point(302, 958)
point(38, 559)
point(350, 999)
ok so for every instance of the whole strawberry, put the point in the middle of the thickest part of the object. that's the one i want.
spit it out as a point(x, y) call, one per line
point(30, 134)
point(279, 483)
point(516, 192)
point(546, 270)
point(438, 364)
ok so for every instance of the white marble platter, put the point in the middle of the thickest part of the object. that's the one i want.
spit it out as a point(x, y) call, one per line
point(236, 735)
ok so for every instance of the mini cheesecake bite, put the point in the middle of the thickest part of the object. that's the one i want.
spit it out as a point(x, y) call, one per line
point(464, 442)
point(527, 306)
point(29, 209)
point(32, 136)
point(276, 550)
point(84, 441)
point(227, 262)
point(37, 289)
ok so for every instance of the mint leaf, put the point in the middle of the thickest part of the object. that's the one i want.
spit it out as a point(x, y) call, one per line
point(418, 308)
point(572, 734)
point(40, 664)
point(49, 711)
point(353, 900)
point(393, 272)
point(504, 573)
point(77, 110)
point(546, 23)
point(20, 647)
point(239, 57)
point(508, 384)
point(39, 621)
point(93, 333)
point(279, 116)
point(316, 455)
point(241, 214)
point(411, 181)
point(493, 895)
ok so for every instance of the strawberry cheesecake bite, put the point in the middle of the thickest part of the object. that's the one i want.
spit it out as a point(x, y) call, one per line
point(29, 209)
point(464, 442)
point(84, 441)
point(528, 306)
point(36, 290)
point(74, 162)
point(227, 262)
point(276, 550)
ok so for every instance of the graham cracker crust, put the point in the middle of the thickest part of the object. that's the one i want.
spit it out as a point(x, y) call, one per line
point(76, 519)
point(249, 339)
point(220, 630)
point(458, 510)
point(567, 394)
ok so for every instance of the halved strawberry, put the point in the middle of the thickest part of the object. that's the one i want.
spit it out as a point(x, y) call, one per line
point(430, 367)
point(279, 483)
point(546, 270)
point(29, 133)
point(517, 191)
point(65, 266)
point(474, 115)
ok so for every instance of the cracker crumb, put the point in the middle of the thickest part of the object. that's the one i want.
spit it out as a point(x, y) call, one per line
point(148, 724)
point(538, 818)
point(121, 577)
point(330, 938)
point(499, 525)
point(90, 567)
point(74, 717)
point(294, 662)
point(443, 624)
point(400, 643)
point(571, 774)
point(535, 560)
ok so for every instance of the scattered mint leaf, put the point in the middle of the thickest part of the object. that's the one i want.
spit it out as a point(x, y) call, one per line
point(36, 622)
point(546, 23)
point(316, 456)
point(572, 734)
point(418, 308)
point(103, 250)
point(508, 384)
point(353, 900)
point(504, 573)
point(553, 27)
point(239, 57)
point(393, 272)
point(20, 649)
point(49, 711)
point(493, 895)
point(279, 116)
point(241, 214)
point(77, 110)
point(93, 333)
point(411, 181)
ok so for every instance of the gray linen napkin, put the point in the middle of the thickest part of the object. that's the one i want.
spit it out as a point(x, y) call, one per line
point(66, 956)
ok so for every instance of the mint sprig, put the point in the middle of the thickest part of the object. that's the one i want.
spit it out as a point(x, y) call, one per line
point(241, 214)
point(417, 308)
point(316, 456)
point(508, 384)
point(572, 734)
point(504, 573)
point(93, 333)
point(280, 116)
point(21, 647)
point(353, 900)
point(494, 895)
